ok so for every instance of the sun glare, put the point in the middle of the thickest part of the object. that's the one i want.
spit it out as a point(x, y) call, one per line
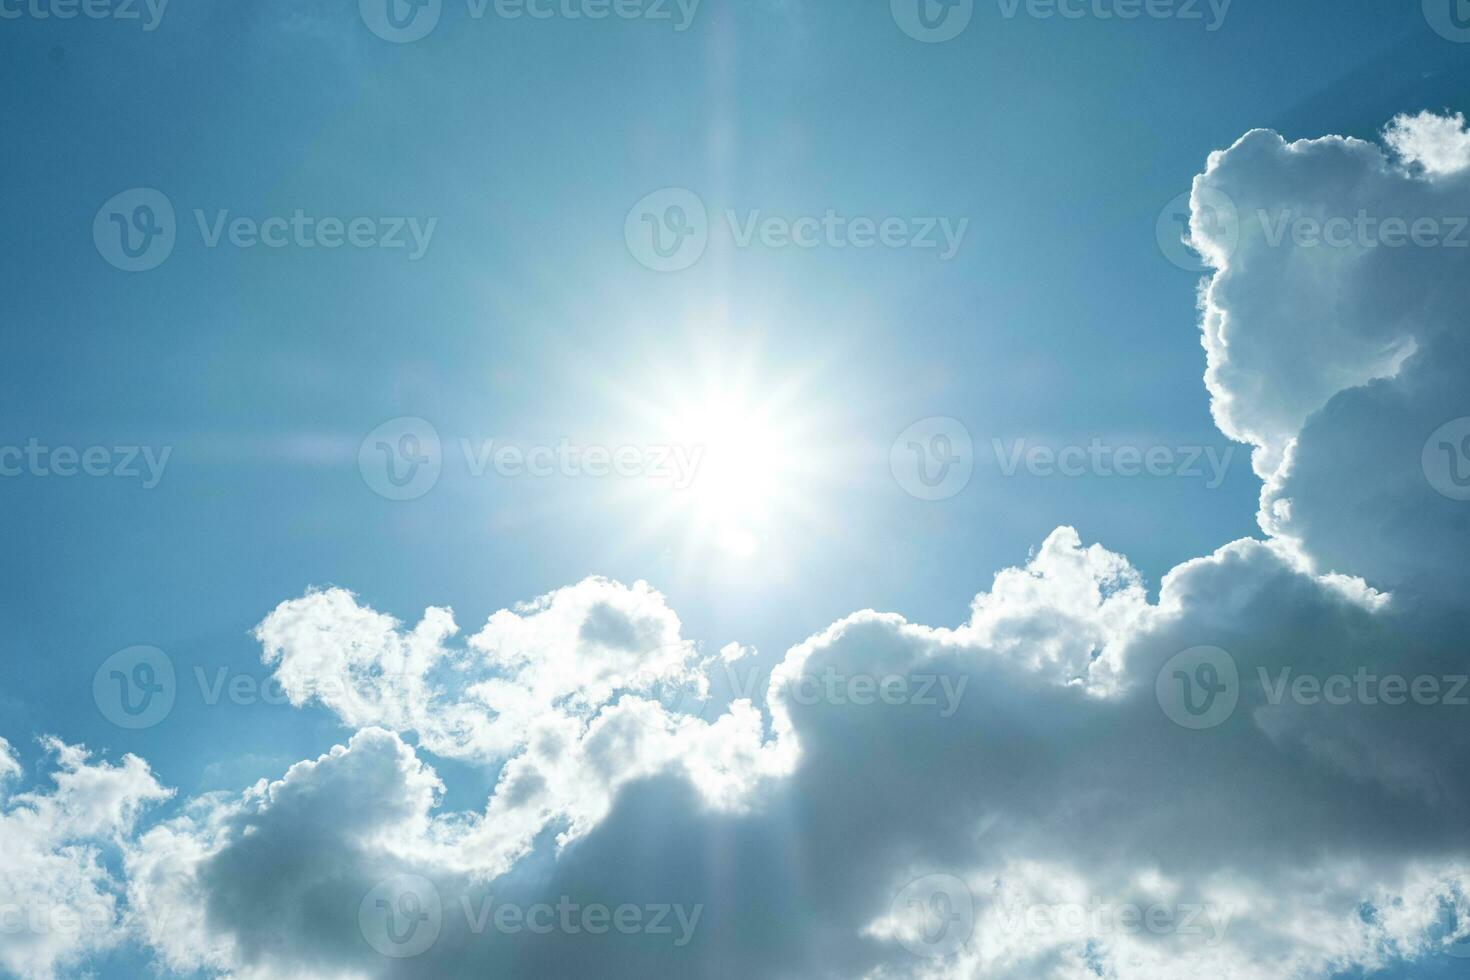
point(752, 474)
point(743, 470)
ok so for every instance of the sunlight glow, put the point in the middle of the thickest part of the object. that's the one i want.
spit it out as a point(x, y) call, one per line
point(745, 468)
point(762, 453)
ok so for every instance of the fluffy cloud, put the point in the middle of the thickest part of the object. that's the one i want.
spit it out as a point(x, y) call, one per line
point(1044, 791)
point(1067, 612)
point(1439, 144)
point(59, 903)
point(1339, 351)
point(1291, 837)
point(567, 652)
point(567, 694)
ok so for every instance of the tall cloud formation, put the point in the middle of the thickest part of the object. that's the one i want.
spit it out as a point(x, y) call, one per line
point(1262, 774)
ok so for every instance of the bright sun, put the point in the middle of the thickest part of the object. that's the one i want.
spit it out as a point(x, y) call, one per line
point(745, 470)
point(753, 473)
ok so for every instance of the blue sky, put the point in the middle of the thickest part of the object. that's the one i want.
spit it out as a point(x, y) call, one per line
point(1059, 321)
